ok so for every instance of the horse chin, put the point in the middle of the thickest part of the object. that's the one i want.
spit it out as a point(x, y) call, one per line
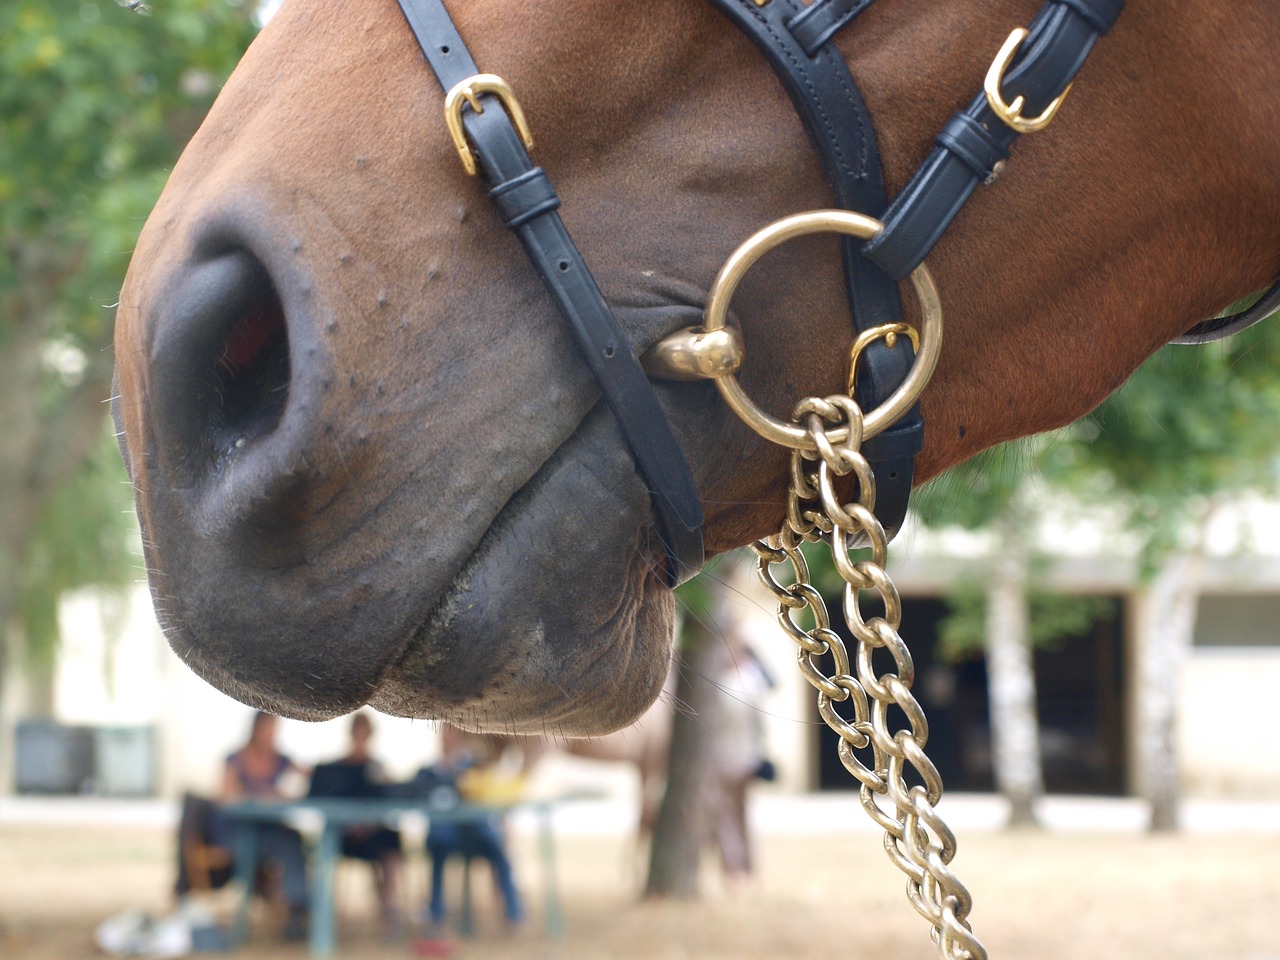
point(581, 653)
point(498, 648)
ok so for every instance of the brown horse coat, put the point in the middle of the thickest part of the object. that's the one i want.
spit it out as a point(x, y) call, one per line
point(368, 463)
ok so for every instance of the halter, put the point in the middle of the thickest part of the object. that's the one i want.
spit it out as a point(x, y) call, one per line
point(830, 437)
point(1022, 92)
point(797, 41)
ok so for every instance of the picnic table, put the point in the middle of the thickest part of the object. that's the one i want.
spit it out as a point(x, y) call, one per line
point(335, 814)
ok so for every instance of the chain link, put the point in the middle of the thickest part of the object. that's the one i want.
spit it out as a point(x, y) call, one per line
point(879, 757)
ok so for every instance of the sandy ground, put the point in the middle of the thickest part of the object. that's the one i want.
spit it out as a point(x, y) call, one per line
point(1076, 894)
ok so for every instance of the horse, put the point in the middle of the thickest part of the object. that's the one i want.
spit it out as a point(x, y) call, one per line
point(369, 463)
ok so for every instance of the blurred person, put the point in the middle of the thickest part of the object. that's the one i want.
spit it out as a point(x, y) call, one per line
point(738, 754)
point(359, 775)
point(466, 768)
point(256, 772)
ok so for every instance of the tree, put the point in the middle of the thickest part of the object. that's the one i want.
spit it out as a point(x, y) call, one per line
point(991, 491)
point(680, 831)
point(1190, 429)
point(95, 105)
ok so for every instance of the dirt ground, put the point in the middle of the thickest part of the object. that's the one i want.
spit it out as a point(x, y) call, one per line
point(1038, 896)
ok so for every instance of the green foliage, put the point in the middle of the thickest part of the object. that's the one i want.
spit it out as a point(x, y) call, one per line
point(86, 535)
point(974, 494)
point(1052, 618)
point(1193, 424)
point(95, 105)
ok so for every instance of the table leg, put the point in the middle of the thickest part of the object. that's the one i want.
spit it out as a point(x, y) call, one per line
point(467, 922)
point(246, 874)
point(555, 913)
point(322, 929)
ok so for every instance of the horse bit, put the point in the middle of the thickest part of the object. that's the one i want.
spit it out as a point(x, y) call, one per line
point(831, 437)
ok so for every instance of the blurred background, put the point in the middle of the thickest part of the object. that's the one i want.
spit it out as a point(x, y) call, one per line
point(1094, 617)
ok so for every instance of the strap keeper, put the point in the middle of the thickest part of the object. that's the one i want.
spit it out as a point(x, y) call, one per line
point(817, 23)
point(970, 141)
point(528, 196)
point(1099, 14)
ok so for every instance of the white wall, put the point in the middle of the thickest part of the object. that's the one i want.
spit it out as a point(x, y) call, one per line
point(136, 680)
point(1227, 743)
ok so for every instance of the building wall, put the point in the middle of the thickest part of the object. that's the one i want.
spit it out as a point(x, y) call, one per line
point(1226, 738)
point(1230, 688)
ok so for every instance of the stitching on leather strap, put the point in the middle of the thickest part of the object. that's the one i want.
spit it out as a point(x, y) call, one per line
point(802, 69)
point(1100, 19)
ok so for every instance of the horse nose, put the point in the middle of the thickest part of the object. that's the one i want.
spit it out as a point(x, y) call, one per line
point(235, 490)
point(220, 350)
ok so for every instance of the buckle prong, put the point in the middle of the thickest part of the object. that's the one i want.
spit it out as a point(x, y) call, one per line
point(888, 332)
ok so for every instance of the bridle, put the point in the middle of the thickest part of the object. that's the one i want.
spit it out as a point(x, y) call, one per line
point(873, 431)
point(881, 245)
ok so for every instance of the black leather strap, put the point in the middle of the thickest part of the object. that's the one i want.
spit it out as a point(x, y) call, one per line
point(794, 40)
point(1060, 38)
point(527, 203)
point(1218, 328)
point(822, 20)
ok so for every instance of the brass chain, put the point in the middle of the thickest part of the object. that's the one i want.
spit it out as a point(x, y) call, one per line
point(916, 838)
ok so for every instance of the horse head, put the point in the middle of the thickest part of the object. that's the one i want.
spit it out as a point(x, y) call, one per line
point(370, 465)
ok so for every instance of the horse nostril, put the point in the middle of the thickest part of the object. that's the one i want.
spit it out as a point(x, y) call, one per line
point(222, 344)
point(252, 372)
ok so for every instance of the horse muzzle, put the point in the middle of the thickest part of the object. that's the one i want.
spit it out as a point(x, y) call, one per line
point(314, 542)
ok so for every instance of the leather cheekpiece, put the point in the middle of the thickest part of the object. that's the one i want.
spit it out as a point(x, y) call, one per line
point(527, 203)
point(827, 100)
point(822, 20)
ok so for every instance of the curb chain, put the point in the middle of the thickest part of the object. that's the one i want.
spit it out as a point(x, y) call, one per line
point(916, 839)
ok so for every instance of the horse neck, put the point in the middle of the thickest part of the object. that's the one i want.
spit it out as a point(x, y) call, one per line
point(1149, 204)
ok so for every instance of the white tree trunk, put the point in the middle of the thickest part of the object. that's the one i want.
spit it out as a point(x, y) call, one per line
point(1171, 601)
point(1011, 684)
point(8, 712)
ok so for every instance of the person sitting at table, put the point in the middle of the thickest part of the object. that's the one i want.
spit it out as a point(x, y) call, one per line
point(464, 767)
point(256, 772)
point(358, 775)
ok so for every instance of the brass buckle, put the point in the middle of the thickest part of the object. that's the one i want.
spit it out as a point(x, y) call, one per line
point(1011, 113)
point(888, 332)
point(468, 91)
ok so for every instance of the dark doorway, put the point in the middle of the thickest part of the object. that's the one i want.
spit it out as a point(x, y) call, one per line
point(1080, 697)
